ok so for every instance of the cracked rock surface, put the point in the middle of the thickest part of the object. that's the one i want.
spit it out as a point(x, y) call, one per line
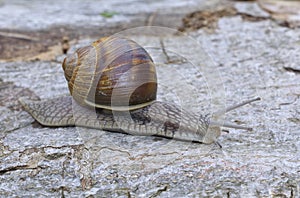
point(250, 59)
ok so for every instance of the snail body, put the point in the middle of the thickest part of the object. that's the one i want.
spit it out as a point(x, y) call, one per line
point(113, 83)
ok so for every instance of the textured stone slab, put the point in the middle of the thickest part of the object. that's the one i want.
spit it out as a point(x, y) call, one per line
point(76, 162)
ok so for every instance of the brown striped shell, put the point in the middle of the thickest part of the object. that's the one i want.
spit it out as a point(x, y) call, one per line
point(111, 73)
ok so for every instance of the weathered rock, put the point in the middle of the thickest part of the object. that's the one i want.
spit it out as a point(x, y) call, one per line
point(76, 162)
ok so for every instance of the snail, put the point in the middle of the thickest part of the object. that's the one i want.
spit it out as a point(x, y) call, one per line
point(113, 82)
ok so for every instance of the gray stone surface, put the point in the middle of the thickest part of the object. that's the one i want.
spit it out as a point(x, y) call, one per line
point(36, 15)
point(250, 57)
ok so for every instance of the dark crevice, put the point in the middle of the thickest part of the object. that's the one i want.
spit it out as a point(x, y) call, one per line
point(16, 168)
point(292, 193)
point(128, 194)
point(291, 69)
point(62, 193)
point(159, 191)
point(228, 194)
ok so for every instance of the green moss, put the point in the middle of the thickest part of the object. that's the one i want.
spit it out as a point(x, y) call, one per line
point(108, 14)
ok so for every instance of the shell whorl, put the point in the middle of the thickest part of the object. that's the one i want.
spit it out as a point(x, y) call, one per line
point(111, 73)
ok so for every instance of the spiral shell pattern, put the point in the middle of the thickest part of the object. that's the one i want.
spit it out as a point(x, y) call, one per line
point(111, 73)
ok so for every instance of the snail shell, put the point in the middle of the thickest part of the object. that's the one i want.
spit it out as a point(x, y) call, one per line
point(111, 66)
